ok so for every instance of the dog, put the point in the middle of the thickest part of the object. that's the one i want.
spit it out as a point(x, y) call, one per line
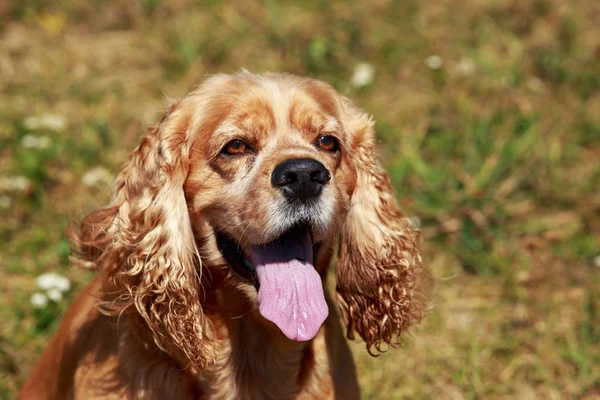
point(211, 261)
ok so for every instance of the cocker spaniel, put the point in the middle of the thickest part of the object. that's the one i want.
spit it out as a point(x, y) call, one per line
point(212, 258)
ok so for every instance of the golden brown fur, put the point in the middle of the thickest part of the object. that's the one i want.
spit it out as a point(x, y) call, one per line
point(167, 317)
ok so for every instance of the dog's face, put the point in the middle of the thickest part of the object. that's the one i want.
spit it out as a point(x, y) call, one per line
point(268, 162)
point(245, 186)
point(269, 186)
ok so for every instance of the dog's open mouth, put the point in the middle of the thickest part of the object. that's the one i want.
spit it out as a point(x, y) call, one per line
point(290, 291)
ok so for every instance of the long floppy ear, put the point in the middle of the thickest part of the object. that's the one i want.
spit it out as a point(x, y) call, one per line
point(143, 245)
point(381, 280)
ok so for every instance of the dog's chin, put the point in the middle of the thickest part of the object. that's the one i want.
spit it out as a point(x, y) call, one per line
point(239, 258)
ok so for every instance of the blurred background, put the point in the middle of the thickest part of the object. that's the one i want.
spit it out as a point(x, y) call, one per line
point(488, 120)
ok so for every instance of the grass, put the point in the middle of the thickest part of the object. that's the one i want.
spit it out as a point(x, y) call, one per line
point(496, 151)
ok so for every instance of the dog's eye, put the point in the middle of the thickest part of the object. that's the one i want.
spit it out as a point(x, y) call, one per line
point(235, 147)
point(328, 143)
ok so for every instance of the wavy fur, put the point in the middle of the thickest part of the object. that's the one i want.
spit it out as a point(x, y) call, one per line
point(143, 245)
point(382, 284)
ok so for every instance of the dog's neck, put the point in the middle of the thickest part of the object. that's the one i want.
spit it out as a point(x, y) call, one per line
point(255, 360)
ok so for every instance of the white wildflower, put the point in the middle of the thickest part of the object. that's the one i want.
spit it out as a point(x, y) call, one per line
point(55, 295)
point(52, 122)
point(38, 300)
point(434, 62)
point(14, 184)
point(35, 142)
point(96, 176)
point(51, 280)
point(464, 67)
point(462, 321)
point(5, 202)
point(414, 222)
point(363, 75)
point(597, 261)
point(536, 84)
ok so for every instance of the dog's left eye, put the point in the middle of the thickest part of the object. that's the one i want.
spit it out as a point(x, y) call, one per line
point(235, 147)
point(328, 143)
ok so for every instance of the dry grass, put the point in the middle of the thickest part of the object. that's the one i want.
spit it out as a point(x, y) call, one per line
point(496, 151)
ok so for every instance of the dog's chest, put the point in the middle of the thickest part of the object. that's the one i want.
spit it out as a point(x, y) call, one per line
point(249, 369)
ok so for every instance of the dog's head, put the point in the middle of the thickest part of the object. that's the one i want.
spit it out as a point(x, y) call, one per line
point(249, 182)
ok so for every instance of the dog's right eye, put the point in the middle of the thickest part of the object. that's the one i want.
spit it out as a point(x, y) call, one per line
point(235, 147)
point(328, 143)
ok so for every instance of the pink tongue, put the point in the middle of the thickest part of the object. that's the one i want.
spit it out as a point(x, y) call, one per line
point(291, 293)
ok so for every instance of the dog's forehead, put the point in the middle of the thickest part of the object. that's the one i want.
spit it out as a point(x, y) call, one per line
point(278, 108)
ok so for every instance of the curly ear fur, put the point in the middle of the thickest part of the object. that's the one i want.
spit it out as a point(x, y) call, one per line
point(144, 246)
point(381, 280)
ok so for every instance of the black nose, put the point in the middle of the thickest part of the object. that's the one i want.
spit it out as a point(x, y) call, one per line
point(300, 178)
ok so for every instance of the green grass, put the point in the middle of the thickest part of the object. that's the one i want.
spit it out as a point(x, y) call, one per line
point(496, 151)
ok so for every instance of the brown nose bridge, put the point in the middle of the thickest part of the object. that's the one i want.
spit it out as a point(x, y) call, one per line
point(287, 151)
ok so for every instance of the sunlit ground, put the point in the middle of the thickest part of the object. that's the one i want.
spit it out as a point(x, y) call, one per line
point(488, 116)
